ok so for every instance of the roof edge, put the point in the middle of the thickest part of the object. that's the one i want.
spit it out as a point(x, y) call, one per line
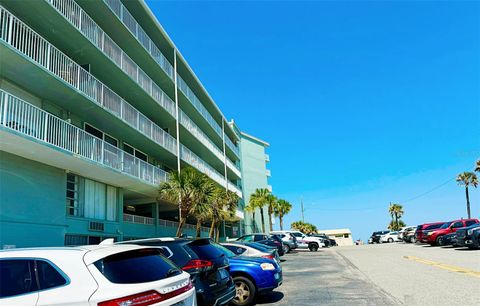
point(266, 144)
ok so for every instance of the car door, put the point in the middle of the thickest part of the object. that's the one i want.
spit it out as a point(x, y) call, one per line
point(18, 286)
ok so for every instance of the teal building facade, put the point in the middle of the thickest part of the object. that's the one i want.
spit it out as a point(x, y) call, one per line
point(97, 106)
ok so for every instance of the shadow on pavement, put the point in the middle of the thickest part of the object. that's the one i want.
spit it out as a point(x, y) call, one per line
point(465, 249)
point(270, 297)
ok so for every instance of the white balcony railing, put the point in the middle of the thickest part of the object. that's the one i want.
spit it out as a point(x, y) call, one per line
point(138, 219)
point(268, 172)
point(269, 187)
point(71, 11)
point(18, 35)
point(165, 223)
point(24, 118)
point(132, 25)
point(235, 189)
point(233, 167)
point(267, 157)
point(200, 165)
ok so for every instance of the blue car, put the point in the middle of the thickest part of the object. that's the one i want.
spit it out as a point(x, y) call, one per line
point(252, 276)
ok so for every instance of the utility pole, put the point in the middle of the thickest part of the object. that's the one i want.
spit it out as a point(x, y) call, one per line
point(301, 203)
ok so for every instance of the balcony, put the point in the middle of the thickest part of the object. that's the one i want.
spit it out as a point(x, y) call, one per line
point(235, 189)
point(80, 20)
point(16, 34)
point(234, 168)
point(191, 158)
point(268, 172)
point(269, 187)
point(48, 139)
point(136, 30)
point(267, 157)
point(132, 25)
point(165, 223)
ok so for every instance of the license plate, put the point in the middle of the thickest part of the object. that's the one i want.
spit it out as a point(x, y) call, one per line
point(181, 303)
point(223, 274)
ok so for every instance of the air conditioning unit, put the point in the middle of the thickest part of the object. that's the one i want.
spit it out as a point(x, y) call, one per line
point(96, 226)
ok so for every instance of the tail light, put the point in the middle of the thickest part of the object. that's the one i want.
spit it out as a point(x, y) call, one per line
point(276, 242)
point(268, 256)
point(198, 264)
point(146, 298)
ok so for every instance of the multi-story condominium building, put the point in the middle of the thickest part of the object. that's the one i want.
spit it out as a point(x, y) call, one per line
point(255, 175)
point(97, 106)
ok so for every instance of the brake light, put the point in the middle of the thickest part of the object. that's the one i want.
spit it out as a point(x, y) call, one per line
point(268, 256)
point(198, 264)
point(146, 298)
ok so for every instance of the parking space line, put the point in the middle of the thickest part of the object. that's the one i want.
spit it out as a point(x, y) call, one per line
point(444, 266)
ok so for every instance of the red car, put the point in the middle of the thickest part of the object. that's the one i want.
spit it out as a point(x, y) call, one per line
point(432, 237)
point(422, 229)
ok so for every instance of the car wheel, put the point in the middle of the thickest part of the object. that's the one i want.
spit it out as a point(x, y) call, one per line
point(438, 241)
point(313, 247)
point(390, 240)
point(412, 239)
point(245, 291)
point(286, 248)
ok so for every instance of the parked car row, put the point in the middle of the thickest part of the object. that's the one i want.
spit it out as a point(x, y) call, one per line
point(157, 271)
point(462, 233)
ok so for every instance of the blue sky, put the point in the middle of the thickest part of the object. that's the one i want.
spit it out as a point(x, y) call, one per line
point(363, 102)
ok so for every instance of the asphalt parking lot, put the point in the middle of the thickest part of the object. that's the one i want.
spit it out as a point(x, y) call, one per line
point(387, 274)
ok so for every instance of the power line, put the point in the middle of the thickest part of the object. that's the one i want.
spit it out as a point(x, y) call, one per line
point(429, 191)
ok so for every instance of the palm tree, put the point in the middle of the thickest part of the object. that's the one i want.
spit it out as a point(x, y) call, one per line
point(477, 166)
point(258, 200)
point(272, 204)
point(466, 179)
point(177, 189)
point(283, 207)
point(396, 211)
point(202, 191)
point(223, 207)
point(304, 227)
point(251, 208)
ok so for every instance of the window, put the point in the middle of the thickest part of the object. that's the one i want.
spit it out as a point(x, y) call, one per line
point(99, 134)
point(48, 276)
point(74, 240)
point(100, 201)
point(73, 207)
point(235, 249)
point(470, 222)
point(138, 266)
point(132, 151)
point(248, 238)
point(457, 224)
point(16, 277)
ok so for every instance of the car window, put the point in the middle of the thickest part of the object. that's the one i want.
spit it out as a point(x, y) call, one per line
point(457, 224)
point(248, 238)
point(297, 234)
point(137, 266)
point(48, 275)
point(470, 222)
point(16, 277)
point(235, 249)
point(259, 237)
point(206, 249)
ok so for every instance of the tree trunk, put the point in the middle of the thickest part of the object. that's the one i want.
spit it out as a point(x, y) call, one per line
point(263, 220)
point(199, 228)
point(217, 239)
point(281, 222)
point(212, 229)
point(253, 222)
point(468, 202)
point(180, 227)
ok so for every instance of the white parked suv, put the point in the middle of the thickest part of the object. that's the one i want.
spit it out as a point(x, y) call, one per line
point(92, 275)
point(304, 241)
point(389, 237)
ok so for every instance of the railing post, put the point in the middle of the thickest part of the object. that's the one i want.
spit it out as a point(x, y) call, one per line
point(5, 108)
point(103, 150)
point(45, 128)
point(78, 140)
point(121, 161)
point(10, 26)
point(48, 57)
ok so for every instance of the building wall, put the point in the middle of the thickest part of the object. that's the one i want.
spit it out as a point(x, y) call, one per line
point(254, 176)
point(32, 206)
point(343, 237)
